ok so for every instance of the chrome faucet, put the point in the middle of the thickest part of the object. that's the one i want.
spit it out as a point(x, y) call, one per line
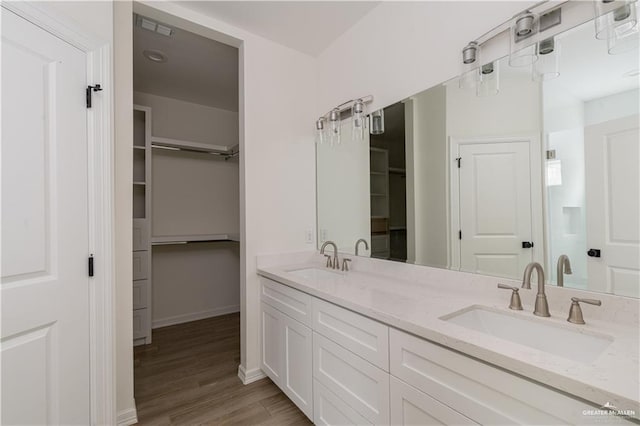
point(333, 264)
point(541, 307)
point(362, 240)
point(564, 267)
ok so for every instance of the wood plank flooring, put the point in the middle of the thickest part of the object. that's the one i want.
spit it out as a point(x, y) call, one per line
point(189, 376)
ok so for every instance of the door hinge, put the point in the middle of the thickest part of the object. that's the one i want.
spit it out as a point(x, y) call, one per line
point(90, 89)
point(459, 235)
point(90, 265)
point(459, 160)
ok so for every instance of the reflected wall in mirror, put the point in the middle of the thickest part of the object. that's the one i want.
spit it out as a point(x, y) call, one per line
point(530, 164)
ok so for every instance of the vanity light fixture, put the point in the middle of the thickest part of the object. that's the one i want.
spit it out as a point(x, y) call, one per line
point(624, 42)
point(469, 75)
point(358, 120)
point(523, 52)
point(547, 66)
point(328, 126)
point(377, 122)
point(617, 22)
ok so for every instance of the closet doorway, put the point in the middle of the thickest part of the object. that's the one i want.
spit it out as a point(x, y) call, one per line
point(186, 219)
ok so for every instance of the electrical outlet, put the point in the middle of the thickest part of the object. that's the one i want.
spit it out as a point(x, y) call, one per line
point(308, 236)
point(323, 235)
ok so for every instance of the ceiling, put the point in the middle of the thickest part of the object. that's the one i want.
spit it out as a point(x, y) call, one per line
point(197, 69)
point(306, 26)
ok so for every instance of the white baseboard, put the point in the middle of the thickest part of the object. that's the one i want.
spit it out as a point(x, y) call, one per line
point(127, 417)
point(250, 376)
point(194, 316)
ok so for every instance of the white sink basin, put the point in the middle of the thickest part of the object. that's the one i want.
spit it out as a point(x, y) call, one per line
point(535, 333)
point(312, 273)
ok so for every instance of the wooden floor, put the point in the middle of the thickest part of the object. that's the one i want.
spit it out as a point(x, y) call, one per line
point(189, 376)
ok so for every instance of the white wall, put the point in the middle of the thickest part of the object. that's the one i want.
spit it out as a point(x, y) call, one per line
point(176, 119)
point(195, 281)
point(612, 107)
point(277, 161)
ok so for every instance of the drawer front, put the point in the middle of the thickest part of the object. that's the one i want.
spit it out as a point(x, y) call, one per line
point(140, 265)
point(292, 302)
point(361, 335)
point(358, 383)
point(272, 323)
point(140, 294)
point(481, 392)
point(409, 406)
point(140, 234)
point(140, 323)
point(329, 410)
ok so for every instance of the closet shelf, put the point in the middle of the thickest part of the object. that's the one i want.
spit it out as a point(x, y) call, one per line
point(159, 142)
point(185, 239)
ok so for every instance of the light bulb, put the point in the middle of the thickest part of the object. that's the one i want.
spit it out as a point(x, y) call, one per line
point(358, 120)
point(320, 131)
point(377, 122)
point(334, 126)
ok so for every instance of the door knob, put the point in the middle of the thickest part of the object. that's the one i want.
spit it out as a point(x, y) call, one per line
point(593, 253)
point(527, 244)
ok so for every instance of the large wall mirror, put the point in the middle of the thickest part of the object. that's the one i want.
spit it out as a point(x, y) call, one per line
point(533, 163)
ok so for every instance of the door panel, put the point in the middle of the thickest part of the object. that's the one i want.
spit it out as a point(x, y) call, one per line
point(613, 184)
point(45, 287)
point(495, 208)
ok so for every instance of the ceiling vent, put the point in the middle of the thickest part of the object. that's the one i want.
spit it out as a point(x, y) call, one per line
point(150, 25)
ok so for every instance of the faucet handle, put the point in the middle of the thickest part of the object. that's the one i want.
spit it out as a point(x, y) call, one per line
point(329, 262)
point(345, 264)
point(575, 312)
point(515, 303)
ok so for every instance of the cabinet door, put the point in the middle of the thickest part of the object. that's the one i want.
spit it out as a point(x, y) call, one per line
point(409, 406)
point(272, 347)
point(297, 371)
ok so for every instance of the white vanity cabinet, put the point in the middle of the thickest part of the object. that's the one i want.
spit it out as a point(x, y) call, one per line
point(287, 345)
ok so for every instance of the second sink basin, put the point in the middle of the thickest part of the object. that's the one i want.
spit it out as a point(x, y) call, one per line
point(313, 273)
point(550, 338)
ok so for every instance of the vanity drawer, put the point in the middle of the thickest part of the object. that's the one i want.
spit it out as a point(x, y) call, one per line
point(409, 406)
point(329, 410)
point(361, 335)
point(479, 391)
point(287, 300)
point(360, 384)
point(140, 265)
point(140, 292)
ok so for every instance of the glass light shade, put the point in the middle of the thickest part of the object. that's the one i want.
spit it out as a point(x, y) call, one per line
point(470, 71)
point(547, 66)
point(624, 42)
point(334, 126)
point(616, 22)
point(321, 133)
point(489, 84)
point(377, 122)
point(522, 50)
point(358, 120)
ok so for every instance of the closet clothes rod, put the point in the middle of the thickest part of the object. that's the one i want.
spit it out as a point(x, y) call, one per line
point(171, 243)
point(225, 155)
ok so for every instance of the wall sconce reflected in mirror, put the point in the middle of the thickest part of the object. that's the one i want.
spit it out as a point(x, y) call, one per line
point(358, 120)
point(377, 122)
point(334, 126)
point(624, 42)
point(617, 22)
point(320, 130)
point(489, 84)
point(547, 66)
point(469, 73)
point(522, 54)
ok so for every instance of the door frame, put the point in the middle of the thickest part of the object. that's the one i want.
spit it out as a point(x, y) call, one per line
point(536, 179)
point(100, 200)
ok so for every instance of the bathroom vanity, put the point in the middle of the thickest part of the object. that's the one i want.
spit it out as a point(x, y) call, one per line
point(404, 344)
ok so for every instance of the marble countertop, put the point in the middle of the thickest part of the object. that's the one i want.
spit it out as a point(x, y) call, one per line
point(417, 308)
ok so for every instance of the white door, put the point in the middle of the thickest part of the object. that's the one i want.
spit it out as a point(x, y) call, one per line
point(495, 208)
point(45, 285)
point(613, 194)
